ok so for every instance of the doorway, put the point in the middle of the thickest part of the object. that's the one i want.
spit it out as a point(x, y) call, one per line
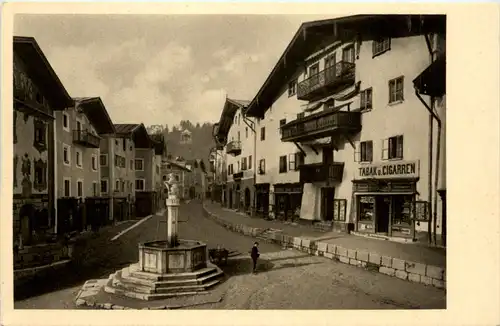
point(230, 199)
point(382, 214)
point(247, 198)
point(327, 197)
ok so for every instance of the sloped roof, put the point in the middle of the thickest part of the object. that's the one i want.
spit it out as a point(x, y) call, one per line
point(311, 35)
point(138, 133)
point(230, 108)
point(94, 109)
point(42, 73)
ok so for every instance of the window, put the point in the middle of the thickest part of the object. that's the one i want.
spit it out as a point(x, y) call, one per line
point(104, 186)
point(366, 208)
point(246, 132)
point(348, 54)
point(67, 188)
point(94, 163)
point(291, 162)
point(250, 162)
point(381, 46)
point(313, 74)
point(330, 60)
point(94, 188)
point(79, 188)
point(66, 154)
point(117, 185)
point(104, 159)
point(120, 161)
point(123, 186)
point(40, 133)
point(339, 209)
point(239, 136)
point(124, 144)
point(292, 88)
point(139, 164)
point(300, 115)
point(78, 154)
point(65, 121)
point(40, 181)
point(402, 209)
point(282, 122)
point(139, 184)
point(168, 166)
point(366, 99)
point(392, 148)
point(243, 163)
point(263, 133)
point(364, 152)
point(299, 160)
point(262, 166)
point(282, 168)
point(177, 178)
point(396, 87)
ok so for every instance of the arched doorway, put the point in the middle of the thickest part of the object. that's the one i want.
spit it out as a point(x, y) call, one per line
point(247, 198)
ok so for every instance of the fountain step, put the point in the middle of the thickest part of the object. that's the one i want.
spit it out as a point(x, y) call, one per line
point(128, 284)
point(109, 288)
point(197, 281)
point(175, 276)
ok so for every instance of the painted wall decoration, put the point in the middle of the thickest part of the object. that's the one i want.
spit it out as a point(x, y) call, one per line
point(40, 137)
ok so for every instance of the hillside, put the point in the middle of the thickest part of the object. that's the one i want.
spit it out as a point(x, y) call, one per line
point(198, 148)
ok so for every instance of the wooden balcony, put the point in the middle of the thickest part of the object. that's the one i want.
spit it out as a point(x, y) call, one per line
point(322, 124)
point(237, 176)
point(319, 172)
point(85, 138)
point(234, 148)
point(332, 79)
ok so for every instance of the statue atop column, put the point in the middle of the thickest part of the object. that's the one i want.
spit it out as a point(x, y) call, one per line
point(172, 186)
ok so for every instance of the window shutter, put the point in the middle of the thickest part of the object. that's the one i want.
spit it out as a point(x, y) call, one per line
point(357, 152)
point(399, 149)
point(385, 149)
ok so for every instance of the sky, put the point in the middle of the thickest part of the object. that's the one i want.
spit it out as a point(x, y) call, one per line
point(160, 69)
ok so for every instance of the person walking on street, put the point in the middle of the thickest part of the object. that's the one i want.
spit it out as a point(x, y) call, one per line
point(255, 254)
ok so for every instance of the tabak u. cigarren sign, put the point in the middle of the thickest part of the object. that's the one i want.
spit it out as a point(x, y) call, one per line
point(399, 169)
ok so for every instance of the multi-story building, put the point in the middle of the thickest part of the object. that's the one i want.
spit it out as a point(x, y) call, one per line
point(218, 170)
point(237, 133)
point(38, 93)
point(78, 130)
point(345, 135)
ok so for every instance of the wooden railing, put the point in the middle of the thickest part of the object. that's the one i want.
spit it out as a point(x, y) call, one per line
point(85, 138)
point(320, 125)
point(342, 72)
point(233, 147)
point(319, 172)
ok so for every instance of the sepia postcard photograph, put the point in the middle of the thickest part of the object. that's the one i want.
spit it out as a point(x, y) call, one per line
point(231, 161)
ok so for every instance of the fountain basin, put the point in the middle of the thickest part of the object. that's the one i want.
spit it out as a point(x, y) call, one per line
point(160, 258)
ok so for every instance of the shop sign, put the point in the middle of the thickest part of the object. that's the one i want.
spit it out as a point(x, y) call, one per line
point(387, 170)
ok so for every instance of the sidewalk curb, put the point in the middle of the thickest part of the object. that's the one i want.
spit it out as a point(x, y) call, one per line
point(405, 270)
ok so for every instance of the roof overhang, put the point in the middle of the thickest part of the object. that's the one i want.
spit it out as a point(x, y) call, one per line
point(95, 110)
point(432, 81)
point(139, 135)
point(312, 36)
point(42, 73)
point(226, 119)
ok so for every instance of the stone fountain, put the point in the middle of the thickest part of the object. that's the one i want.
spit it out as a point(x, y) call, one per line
point(167, 268)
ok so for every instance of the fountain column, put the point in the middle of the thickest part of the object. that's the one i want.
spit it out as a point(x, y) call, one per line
point(172, 218)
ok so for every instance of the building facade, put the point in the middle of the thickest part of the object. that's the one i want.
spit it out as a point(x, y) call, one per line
point(237, 133)
point(348, 116)
point(38, 93)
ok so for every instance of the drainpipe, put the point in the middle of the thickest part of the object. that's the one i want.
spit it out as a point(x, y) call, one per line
point(55, 179)
point(432, 115)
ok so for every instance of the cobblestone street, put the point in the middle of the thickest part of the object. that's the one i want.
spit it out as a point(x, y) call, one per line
point(286, 279)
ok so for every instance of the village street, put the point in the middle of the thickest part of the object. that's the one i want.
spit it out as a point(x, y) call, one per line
point(287, 279)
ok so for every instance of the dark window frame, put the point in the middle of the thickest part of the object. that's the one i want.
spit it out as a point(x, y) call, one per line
point(381, 46)
point(283, 164)
point(396, 95)
point(364, 103)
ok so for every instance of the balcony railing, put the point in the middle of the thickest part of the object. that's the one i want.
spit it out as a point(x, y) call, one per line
point(333, 78)
point(85, 138)
point(319, 172)
point(233, 147)
point(238, 175)
point(323, 124)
